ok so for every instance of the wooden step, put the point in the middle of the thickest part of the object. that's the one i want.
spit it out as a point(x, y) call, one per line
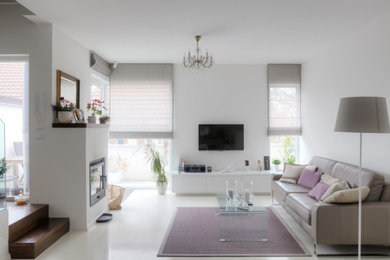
point(24, 218)
point(37, 240)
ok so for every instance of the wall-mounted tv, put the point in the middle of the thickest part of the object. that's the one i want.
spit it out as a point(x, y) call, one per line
point(221, 137)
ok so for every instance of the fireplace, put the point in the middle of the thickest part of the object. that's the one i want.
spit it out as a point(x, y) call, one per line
point(97, 180)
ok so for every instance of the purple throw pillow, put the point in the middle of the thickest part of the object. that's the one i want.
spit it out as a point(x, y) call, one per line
point(309, 178)
point(318, 190)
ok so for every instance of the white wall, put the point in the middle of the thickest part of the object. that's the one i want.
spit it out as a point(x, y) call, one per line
point(63, 181)
point(4, 235)
point(225, 94)
point(49, 49)
point(20, 36)
point(358, 65)
point(96, 148)
point(72, 58)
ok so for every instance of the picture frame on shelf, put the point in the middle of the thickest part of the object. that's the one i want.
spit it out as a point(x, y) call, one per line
point(78, 115)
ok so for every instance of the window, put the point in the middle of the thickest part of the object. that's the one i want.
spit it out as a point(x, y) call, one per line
point(100, 87)
point(284, 99)
point(284, 111)
point(142, 101)
point(284, 148)
point(126, 158)
point(14, 114)
point(141, 110)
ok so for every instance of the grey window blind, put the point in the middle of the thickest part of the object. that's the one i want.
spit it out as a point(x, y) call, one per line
point(284, 99)
point(99, 64)
point(141, 101)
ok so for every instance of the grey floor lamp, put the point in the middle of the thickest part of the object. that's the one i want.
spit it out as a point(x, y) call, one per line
point(362, 115)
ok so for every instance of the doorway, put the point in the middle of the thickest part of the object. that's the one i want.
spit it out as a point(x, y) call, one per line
point(14, 113)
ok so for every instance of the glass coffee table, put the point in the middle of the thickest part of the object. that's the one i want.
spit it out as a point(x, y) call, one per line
point(241, 224)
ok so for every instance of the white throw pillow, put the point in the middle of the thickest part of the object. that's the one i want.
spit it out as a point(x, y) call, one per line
point(312, 168)
point(327, 179)
point(348, 196)
point(333, 188)
point(291, 173)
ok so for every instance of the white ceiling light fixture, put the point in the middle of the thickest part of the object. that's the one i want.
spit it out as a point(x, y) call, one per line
point(198, 61)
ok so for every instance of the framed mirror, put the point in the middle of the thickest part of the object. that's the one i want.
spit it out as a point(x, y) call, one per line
point(68, 87)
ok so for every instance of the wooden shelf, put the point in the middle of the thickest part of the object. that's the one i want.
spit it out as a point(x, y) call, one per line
point(79, 125)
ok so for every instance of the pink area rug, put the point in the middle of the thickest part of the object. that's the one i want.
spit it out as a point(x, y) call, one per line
point(196, 232)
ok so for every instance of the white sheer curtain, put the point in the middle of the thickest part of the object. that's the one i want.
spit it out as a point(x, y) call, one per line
point(284, 99)
point(141, 101)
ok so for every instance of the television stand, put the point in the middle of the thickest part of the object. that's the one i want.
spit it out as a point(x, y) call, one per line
point(207, 183)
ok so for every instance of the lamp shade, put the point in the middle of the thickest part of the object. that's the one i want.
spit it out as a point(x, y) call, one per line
point(363, 115)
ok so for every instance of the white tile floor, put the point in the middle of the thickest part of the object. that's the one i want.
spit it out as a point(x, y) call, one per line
point(137, 230)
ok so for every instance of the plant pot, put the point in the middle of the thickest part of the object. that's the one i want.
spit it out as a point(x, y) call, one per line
point(162, 187)
point(92, 119)
point(104, 120)
point(277, 167)
point(64, 116)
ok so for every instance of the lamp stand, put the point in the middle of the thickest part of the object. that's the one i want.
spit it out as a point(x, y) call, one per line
point(360, 200)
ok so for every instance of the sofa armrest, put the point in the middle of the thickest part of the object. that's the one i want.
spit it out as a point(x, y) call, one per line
point(276, 176)
point(338, 223)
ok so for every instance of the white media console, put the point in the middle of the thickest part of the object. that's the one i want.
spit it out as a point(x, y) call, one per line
point(215, 182)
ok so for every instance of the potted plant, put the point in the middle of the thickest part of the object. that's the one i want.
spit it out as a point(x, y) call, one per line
point(3, 168)
point(157, 167)
point(277, 163)
point(96, 106)
point(104, 119)
point(291, 159)
point(64, 110)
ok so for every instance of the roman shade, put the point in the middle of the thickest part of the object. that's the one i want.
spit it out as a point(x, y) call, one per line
point(99, 64)
point(141, 101)
point(284, 99)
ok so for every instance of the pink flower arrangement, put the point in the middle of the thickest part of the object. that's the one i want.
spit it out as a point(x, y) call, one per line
point(64, 105)
point(96, 106)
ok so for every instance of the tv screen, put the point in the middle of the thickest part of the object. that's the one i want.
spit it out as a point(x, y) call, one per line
point(221, 137)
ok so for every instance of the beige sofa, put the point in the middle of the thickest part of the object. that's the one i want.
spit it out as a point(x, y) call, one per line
point(337, 224)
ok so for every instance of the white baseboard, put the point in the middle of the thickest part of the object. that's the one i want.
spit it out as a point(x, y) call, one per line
point(93, 222)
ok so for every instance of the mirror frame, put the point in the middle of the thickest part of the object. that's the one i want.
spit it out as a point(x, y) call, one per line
point(69, 77)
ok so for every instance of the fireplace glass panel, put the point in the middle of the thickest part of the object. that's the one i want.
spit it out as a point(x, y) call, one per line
point(97, 180)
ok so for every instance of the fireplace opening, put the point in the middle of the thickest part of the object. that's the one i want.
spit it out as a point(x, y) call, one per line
point(97, 180)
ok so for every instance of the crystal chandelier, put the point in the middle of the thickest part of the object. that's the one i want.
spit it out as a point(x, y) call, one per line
point(198, 61)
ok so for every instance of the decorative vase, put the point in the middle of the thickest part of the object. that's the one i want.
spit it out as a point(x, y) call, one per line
point(64, 116)
point(161, 187)
point(92, 119)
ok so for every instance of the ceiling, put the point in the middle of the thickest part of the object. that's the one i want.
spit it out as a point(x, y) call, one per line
point(234, 31)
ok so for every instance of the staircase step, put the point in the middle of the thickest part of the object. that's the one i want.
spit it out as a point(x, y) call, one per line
point(24, 218)
point(37, 240)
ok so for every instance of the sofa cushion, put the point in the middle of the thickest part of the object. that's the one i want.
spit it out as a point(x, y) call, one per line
point(324, 165)
point(350, 173)
point(291, 173)
point(309, 178)
point(348, 195)
point(386, 193)
point(342, 185)
point(284, 188)
point(319, 190)
point(301, 204)
point(327, 179)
